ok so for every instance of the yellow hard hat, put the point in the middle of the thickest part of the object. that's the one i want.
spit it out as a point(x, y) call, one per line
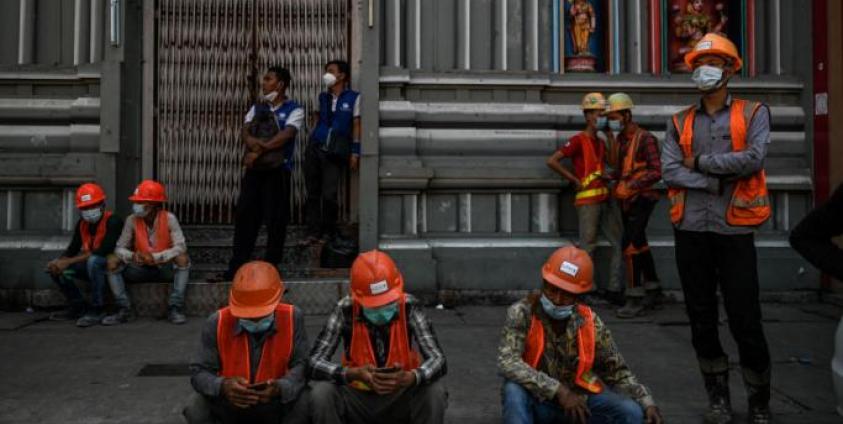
point(619, 101)
point(593, 101)
point(714, 44)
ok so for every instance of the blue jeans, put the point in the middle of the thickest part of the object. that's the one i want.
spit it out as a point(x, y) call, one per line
point(134, 273)
point(521, 407)
point(94, 271)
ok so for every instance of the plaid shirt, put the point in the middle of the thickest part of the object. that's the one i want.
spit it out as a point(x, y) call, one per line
point(648, 152)
point(339, 327)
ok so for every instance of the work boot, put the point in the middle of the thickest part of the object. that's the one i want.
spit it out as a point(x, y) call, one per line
point(122, 316)
point(176, 316)
point(634, 307)
point(72, 313)
point(90, 319)
point(654, 299)
point(758, 396)
point(719, 402)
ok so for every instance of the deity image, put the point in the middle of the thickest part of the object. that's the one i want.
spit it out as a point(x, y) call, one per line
point(583, 24)
point(691, 25)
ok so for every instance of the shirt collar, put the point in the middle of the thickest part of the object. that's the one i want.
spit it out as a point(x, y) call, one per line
point(701, 107)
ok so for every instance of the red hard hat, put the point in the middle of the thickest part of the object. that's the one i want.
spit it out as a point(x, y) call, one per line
point(89, 194)
point(570, 269)
point(149, 191)
point(375, 280)
point(256, 290)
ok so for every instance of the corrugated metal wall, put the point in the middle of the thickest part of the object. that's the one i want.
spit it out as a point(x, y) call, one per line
point(210, 52)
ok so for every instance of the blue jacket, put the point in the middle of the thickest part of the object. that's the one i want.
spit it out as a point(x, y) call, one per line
point(339, 122)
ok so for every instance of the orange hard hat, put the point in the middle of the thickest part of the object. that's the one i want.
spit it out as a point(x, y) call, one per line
point(714, 44)
point(375, 280)
point(89, 194)
point(149, 191)
point(570, 269)
point(256, 290)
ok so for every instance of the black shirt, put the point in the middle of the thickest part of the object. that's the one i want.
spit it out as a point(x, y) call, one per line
point(113, 228)
point(812, 237)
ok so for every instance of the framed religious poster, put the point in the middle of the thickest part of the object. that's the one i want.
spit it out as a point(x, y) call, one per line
point(585, 25)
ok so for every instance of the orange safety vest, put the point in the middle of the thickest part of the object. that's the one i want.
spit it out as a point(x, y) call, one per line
point(88, 244)
point(400, 352)
point(162, 234)
point(234, 348)
point(534, 349)
point(593, 190)
point(631, 168)
point(750, 203)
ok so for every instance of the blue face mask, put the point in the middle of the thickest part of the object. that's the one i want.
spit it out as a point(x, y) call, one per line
point(707, 77)
point(601, 122)
point(382, 315)
point(139, 210)
point(257, 327)
point(615, 125)
point(556, 312)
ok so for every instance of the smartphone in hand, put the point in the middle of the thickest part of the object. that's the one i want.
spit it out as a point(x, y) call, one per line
point(258, 387)
point(387, 370)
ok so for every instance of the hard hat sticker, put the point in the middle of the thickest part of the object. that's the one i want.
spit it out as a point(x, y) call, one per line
point(86, 197)
point(569, 268)
point(378, 288)
point(703, 45)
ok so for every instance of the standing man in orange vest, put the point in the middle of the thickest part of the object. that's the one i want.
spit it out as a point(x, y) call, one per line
point(639, 170)
point(594, 208)
point(252, 359)
point(559, 359)
point(151, 248)
point(391, 362)
point(86, 256)
point(713, 164)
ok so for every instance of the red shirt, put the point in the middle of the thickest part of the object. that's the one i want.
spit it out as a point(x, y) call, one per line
point(573, 150)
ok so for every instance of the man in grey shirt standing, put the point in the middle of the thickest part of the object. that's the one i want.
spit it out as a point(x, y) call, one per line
point(712, 162)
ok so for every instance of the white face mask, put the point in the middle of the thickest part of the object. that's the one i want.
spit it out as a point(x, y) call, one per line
point(329, 79)
point(707, 77)
point(271, 96)
point(91, 215)
point(139, 210)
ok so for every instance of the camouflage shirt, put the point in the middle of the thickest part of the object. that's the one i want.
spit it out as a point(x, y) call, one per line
point(560, 358)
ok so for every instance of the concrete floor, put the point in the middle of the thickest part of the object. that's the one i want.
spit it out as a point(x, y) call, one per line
point(53, 372)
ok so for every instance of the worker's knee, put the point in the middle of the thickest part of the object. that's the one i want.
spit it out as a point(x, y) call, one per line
point(436, 396)
point(197, 410)
point(323, 395)
point(182, 261)
point(113, 263)
point(97, 262)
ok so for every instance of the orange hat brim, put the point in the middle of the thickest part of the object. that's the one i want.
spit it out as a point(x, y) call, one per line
point(145, 199)
point(251, 311)
point(566, 285)
point(691, 56)
point(371, 302)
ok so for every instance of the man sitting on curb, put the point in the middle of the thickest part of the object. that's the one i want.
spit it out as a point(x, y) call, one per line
point(252, 358)
point(559, 360)
point(383, 377)
point(151, 245)
point(85, 258)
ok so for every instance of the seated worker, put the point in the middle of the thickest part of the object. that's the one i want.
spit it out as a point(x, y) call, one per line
point(86, 256)
point(151, 248)
point(252, 359)
point(384, 377)
point(558, 359)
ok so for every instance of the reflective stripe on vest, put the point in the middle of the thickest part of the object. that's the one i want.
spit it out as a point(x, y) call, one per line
point(361, 352)
point(594, 171)
point(88, 244)
point(162, 234)
point(234, 348)
point(586, 340)
point(750, 204)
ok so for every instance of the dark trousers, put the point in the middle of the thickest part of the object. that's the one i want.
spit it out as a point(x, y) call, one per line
point(322, 177)
point(640, 266)
point(206, 410)
point(707, 261)
point(332, 404)
point(92, 270)
point(264, 197)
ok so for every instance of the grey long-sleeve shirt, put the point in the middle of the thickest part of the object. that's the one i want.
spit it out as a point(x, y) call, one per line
point(205, 367)
point(126, 243)
point(710, 191)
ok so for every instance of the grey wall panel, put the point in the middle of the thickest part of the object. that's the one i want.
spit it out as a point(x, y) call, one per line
point(445, 13)
point(40, 211)
point(482, 42)
point(9, 20)
point(390, 213)
point(442, 210)
point(515, 34)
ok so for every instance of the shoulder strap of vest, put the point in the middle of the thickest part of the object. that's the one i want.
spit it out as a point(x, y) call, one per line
point(679, 120)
